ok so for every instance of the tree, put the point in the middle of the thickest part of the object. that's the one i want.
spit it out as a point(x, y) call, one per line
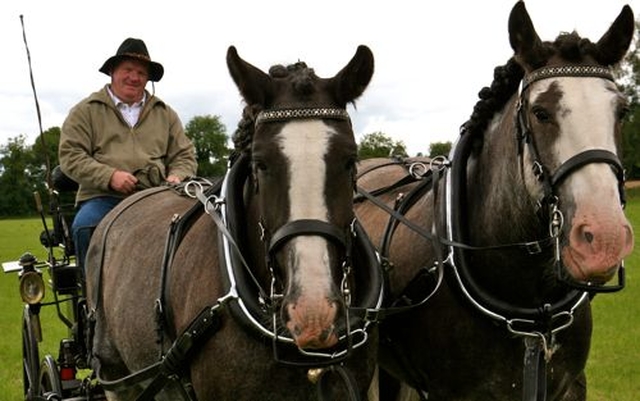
point(628, 78)
point(17, 191)
point(378, 144)
point(44, 154)
point(439, 149)
point(210, 139)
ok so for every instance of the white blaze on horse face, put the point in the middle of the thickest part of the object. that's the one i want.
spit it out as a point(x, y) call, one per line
point(587, 116)
point(599, 235)
point(305, 145)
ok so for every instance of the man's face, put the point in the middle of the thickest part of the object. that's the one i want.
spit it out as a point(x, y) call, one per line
point(128, 80)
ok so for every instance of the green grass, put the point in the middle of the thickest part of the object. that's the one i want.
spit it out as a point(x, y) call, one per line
point(613, 369)
point(16, 237)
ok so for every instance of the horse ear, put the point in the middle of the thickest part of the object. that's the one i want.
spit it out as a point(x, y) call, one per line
point(255, 86)
point(354, 78)
point(613, 45)
point(523, 37)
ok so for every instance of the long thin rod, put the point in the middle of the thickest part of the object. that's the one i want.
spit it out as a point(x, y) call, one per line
point(35, 97)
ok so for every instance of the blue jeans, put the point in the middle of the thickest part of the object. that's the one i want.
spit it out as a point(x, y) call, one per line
point(89, 214)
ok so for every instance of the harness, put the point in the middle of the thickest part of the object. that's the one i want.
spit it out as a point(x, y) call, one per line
point(538, 326)
point(245, 298)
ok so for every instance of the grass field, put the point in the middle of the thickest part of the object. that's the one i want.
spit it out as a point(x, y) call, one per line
point(613, 369)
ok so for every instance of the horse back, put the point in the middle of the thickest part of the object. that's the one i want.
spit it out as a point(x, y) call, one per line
point(391, 181)
point(125, 268)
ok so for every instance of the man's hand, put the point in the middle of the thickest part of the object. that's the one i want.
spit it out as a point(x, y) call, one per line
point(123, 182)
point(173, 179)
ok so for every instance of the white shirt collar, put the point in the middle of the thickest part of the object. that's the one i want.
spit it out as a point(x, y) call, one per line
point(117, 101)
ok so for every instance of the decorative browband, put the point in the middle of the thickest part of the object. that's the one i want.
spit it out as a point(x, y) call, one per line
point(568, 71)
point(290, 114)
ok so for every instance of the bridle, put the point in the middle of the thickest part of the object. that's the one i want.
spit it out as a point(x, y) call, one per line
point(352, 245)
point(551, 181)
point(274, 241)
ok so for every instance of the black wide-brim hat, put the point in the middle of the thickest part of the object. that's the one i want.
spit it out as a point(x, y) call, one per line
point(134, 49)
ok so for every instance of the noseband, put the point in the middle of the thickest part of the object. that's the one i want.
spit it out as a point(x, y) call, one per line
point(551, 181)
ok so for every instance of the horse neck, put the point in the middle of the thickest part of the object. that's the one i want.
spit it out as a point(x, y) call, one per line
point(501, 211)
point(497, 194)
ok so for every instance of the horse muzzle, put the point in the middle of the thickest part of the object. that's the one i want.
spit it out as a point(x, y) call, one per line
point(595, 251)
point(312, 324)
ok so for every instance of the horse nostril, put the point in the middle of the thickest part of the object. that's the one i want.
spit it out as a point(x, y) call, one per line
point(588, 236)
point(326, 333)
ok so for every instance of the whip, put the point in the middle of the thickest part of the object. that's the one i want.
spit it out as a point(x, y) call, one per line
point(35, 97)
point(60, 234)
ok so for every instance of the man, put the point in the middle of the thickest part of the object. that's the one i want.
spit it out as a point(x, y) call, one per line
point(120, 139)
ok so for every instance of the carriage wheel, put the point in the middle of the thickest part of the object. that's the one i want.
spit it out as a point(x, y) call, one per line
point(30, 354)
point(50, 383)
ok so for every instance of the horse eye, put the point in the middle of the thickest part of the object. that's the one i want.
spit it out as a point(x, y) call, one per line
point(351, 163)
point(259, 165)
point(541, 114)
point(623, 112)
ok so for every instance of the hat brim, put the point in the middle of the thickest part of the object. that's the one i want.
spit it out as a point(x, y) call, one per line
point(156, 70)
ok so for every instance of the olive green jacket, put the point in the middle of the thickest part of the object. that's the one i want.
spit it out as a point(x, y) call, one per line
point(96, 140)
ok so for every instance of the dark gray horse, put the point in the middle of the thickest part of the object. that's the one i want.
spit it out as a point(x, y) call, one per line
point(511, 235)
point(265, 286)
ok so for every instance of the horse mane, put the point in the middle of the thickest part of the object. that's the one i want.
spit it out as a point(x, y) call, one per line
point(243, 134)
point(302, 77)
point(302, 80)
point(506, 78)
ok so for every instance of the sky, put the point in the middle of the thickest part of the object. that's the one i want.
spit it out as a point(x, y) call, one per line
point(431, 57)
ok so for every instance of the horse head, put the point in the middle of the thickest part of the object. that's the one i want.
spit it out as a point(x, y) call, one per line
point(569, 131)
point(303, 153)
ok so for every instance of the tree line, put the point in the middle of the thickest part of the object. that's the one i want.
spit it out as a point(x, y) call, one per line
point(24, 168)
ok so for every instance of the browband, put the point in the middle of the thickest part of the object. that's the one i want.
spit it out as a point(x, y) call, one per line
point(567, 71)
point(304, 113)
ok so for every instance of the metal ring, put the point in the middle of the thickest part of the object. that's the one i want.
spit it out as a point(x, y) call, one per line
point(418, 170)
point(192, 193)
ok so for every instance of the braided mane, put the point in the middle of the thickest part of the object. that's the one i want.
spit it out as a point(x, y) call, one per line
point(506, 79)
point(302, 80)
point(505, 83)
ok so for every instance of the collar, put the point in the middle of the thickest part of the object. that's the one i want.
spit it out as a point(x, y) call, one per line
point(118, 102)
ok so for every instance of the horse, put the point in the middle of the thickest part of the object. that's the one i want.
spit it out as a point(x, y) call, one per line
point(493, 252)
point(251, 287)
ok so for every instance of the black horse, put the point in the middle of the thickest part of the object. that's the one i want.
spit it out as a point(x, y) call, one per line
point(494, 253)
point(244, 294)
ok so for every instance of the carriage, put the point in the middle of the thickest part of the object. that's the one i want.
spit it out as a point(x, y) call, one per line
point(65, 376)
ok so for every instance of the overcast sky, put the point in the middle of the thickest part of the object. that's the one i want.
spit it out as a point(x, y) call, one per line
point(432, 57)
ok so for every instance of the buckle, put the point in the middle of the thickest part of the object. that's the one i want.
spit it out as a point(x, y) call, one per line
point(533, 248)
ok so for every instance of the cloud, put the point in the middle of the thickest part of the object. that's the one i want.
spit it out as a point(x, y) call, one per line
point(432, 58)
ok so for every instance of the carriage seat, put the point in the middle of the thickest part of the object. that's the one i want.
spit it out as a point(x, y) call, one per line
point(61, 182)
point(61, 208)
